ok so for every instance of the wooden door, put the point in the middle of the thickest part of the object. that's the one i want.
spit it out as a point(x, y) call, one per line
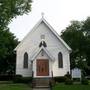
point(42, 68)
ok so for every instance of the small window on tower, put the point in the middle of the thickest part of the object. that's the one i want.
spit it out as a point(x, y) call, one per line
point(42, 36)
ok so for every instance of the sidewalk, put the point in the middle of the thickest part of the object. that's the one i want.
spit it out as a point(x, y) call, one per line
point(41, 89)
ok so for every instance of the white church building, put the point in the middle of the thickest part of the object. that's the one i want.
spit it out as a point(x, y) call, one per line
point(42, 53)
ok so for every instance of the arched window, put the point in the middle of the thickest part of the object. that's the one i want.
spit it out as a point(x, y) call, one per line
point(60, 60)
point(25, 63)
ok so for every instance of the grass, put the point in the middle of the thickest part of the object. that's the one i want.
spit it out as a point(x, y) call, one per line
point(14, 87)
point(59, 86)
point(71, 87)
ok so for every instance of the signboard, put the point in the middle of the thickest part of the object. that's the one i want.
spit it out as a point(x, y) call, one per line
point(76, 73)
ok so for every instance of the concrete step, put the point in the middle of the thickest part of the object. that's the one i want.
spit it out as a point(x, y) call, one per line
point(41, 82)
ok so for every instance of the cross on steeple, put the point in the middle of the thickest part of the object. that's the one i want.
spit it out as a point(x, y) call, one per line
point(42, 14)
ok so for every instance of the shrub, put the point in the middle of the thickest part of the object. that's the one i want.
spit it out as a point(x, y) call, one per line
point(17, 78)
point(59, 79)
point(52, 82)
point(87, 77)
point(68, 81)
point(67, 75)
point(76, 79)
point(20, 79)
point(6, 77)
point(84, 81)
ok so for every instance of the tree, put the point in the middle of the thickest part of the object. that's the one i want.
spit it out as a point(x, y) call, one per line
point(12, 8)
point(86, 27)
point(77, 36)
point(74, 37)
point(86, 31)
point(7, 56)
point(9, 9)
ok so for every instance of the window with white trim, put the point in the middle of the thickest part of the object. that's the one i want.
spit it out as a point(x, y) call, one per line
point(25, 62)
point(60, 60)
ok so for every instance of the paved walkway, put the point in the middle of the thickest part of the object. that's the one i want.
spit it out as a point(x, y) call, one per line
point(41, 89)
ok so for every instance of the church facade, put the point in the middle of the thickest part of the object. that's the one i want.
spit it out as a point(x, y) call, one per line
point(42, 53)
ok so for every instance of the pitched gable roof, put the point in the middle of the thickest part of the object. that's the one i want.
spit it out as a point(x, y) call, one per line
point(50, 27)
point(36, 53)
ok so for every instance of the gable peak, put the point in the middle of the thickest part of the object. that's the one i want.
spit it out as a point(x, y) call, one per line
point(50, 28)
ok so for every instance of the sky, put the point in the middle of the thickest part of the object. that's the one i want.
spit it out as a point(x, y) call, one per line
point(58, 13)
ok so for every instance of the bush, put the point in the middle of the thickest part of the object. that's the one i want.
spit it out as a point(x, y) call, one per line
point(67, 75)
point(6, 77)
point(17, 78)
point(84, 81)
point(59, 79)
point(76, 79)
point(87, 77)
point(68, 81)
point(20, 79)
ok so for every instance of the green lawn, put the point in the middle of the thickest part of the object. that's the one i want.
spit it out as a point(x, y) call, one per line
point(14, 87)
point(56, 87)
point(71, 87)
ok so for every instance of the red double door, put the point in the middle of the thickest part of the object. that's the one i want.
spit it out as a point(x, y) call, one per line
point(42, 68)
